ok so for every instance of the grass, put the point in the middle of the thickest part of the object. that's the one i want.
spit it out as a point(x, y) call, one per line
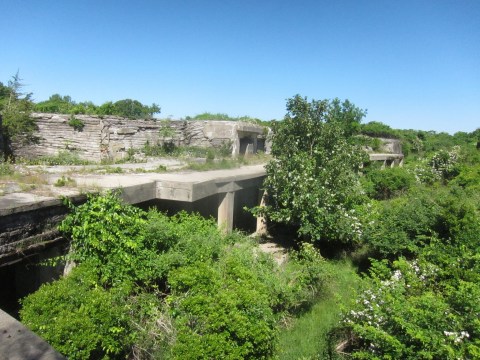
point(62, 158)
point(306, 336)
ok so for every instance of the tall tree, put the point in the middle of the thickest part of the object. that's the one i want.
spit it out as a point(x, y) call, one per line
point(16, 125)
point(312, 181)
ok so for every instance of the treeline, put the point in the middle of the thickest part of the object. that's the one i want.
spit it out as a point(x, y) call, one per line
point(419, 142)
point(129, 108)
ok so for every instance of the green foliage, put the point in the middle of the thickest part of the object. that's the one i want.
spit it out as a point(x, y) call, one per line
point(109, 233)
point(423, 304)
point(148, 285)
point(80, 318)
point(403, 225)
point(410, 312)
point(64, 181)
point(312, 181)
point(225, 117)
point(62, 158)
point(382, 184)
point(346, 115)
point(377, 129)
point(134, 109)
point(221, 311)
point(16, 125)
point(468, 177)
point(56, 104)
point(443, 165)
point(76, 123)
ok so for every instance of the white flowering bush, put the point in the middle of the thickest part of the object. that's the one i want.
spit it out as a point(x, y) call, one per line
point(410, 310)
point(442, 166)
point(312, 182)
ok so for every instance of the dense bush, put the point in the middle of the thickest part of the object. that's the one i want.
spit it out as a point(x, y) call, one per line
point(151, 286)
point(404, 225)
point(312, 183)
point(129, 108)
point(79, 318)
point(383, 184)
point(409, 312)
point(422, 303)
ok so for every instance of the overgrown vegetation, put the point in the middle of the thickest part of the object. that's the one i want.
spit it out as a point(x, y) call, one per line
point(151, 286)
point(226, 117)
point(16, 125)
point(129, 108)
point(76, 123)
point(147, 285)
point(312, 183)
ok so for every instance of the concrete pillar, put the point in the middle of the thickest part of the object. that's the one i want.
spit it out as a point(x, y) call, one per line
point(261, 221)
point(225, 211)
point(400, 164)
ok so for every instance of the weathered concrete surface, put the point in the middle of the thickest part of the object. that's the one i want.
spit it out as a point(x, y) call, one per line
point(389, 160)
point(111, 137)
point(28, 221)
point(19, 343)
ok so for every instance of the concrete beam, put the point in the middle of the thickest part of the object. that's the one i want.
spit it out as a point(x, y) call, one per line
point(225, 211)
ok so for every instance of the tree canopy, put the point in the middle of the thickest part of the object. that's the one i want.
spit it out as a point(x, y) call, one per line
point(129, 108)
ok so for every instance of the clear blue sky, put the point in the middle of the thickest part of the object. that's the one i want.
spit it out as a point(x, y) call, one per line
point(412, 64)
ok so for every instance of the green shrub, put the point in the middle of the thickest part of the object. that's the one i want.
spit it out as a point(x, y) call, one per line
point(468, 177)
point(64, 181)
point(409, 312)
point(389, 182)
point(149, 285)
point(109, 233)
point(402, 225)
point(62, 158)
point(76, 123)
point(221, 311)
point(6, 169)
point(79, 318)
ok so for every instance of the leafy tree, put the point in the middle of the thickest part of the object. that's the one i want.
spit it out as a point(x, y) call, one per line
point(134, 109)
point(375, 128)
point(56, 104)
point(16, 125)
point(312, 181)
point(346, 114)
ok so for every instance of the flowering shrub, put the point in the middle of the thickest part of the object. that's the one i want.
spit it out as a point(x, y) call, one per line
point(312, 182)
point(406, 312)
point(443, 165)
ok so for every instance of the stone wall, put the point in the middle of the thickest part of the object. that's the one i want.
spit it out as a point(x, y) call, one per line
point(111, 136)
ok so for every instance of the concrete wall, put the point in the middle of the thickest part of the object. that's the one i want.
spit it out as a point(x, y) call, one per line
point(391, 146)
point(112, 136)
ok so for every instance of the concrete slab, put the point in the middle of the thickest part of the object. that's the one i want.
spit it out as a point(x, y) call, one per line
point(19, 343)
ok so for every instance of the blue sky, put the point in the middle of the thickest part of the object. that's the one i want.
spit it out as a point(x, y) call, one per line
point(411, 64)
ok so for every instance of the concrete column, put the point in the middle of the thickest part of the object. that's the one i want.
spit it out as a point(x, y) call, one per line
point(261, 221)
point(225, 211)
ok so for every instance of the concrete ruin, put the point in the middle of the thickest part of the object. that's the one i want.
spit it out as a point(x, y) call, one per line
point(111, 137)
